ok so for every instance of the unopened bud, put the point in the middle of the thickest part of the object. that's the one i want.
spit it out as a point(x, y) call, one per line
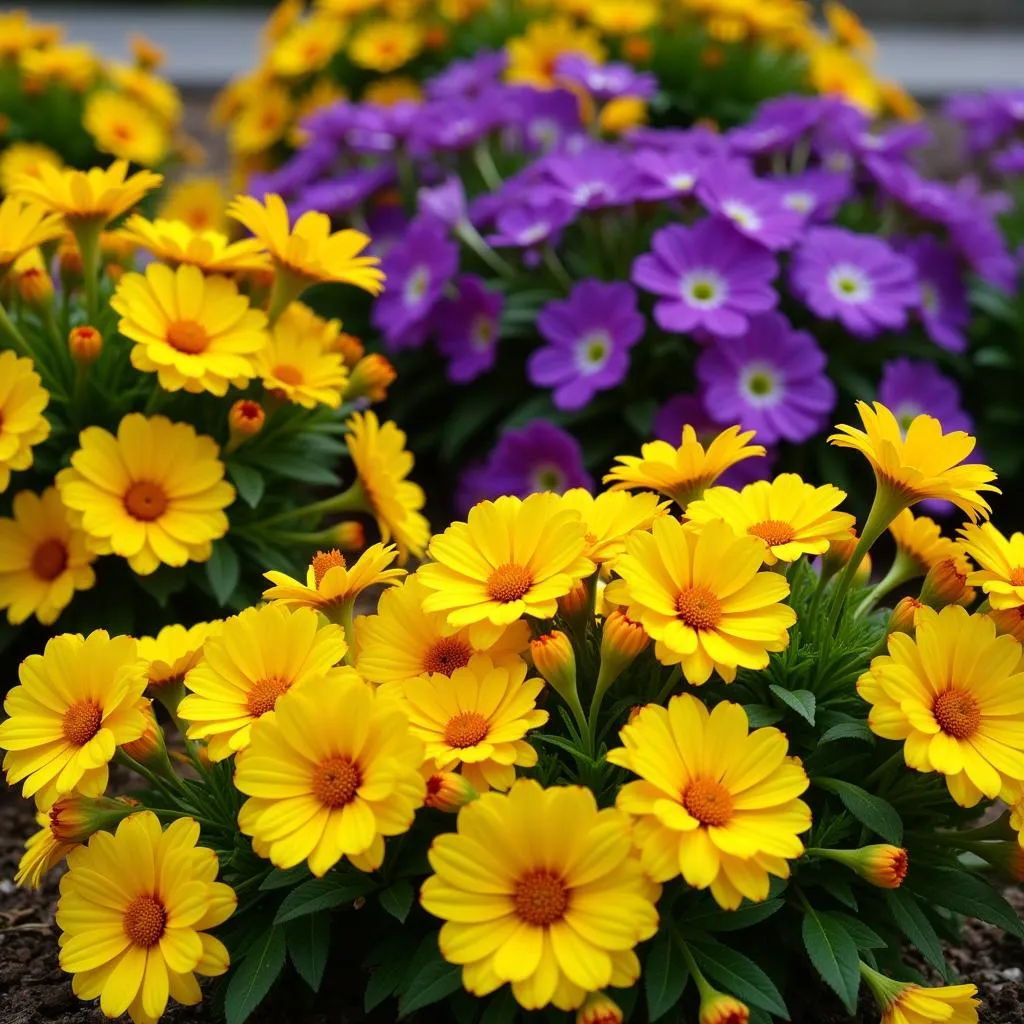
point(350, 536)
point(946, 583)
point(114, 271)
point(574, 607)
point(718, 1008)
point(634, 713)
point(838, 554)
point(882, 864)
point(370, 378)
point(350, 348)
point(554, 659)
point(622, 642)
point(73, 819)
point(448, 791)
point(245, 419)
point(435, 36)
point(637, 49)
point(149, 749)
point(1009, 621)
point(598, 1008)
point(905, 616)
point(148, 55)
point(69, 260)
point(85, 344)
point(35, 288)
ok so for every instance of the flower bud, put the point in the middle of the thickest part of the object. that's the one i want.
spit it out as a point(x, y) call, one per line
point(448, 791)
point(554, 659)
point(904, 616)
point(245, 419)
point(718, 1008)
point(147, 54)
point(350, 348)
point(634, 713)
point(350, 536)
point(69, 260)
point(574, 607)
point(149, 749)
point(838, 554)
point(946, 583)
point(637, 49)
point(1009, 621)
point(435, 37)
point(622, 642)
point(883, 865)
point(370, 378)
point(597, 1008)
point(621, 114)
point(114, 271)
point(35, 288)
point(85, 344)
point(74, 818)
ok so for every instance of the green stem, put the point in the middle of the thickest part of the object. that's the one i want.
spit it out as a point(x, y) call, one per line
point(901, 571)
point(703, 987)
point(670, 685)
point(557, 268)
point(352, 500)
point(486, 166)
point(469, 234)
point(18, 342)
point(88, 237)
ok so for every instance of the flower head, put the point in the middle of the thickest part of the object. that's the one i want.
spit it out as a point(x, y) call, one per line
point(23, 158)
point(133, 500)
point(76, 702)
point(385, 45)
point(942, 306)
point(612, 517)
point(370, 378)
point(124, 127)
point(177, 242)
point(559, 920)
point(174, 651)
point(468, 329)
point(719, 1008)
point(904, 1003)
point(598, 1008)
point(1001, 575)
point(196, 202)
point(920, 540)
point(23, 227)
point(528, 226)
point(133, 912)
point(22, 423)
point(533, 57)
point(715, 803)
point(43, 852)
point(910, 387)
point(670, 173)
point(332, 772)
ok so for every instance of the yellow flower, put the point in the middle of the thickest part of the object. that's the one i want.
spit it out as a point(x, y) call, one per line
point(23, 158)
point(898, 102)
point(611, 518)
point(926, 463)
point(74, 67)
point(22, 401)
point(698, 593)
point(557, 919)
point(382, 464)
point(622, 17)
point(22, 228)
point(386, 92)
point(295, 364)
point(621, 114)
point(347, 8)
point(510, 558)
point(919, 539)
point(682, 473)
point(96, 196)
point(903, 1003)
point(256, 657)
point(309, 250)
point(198, 202)
point(18, 33)
point(151, 92)
point(715, 803)
point(834, 70)
point(307, 46)
point(262, 120)
point(43, 559)
point(125, 128)
point(1001, 575)
point(330, 581)
point(174, 651)
point(532, 57)
point(154, 493)
point(370, 378)
point(196, 333)
point(848, 29)
point(133, 912)
point(76, 702)
point(176, 242)
point(43, 852)
point(403, 641)
point(476, 717)
point(332, 772)
point(790, 518)
point(385, 45)
point(954, 694)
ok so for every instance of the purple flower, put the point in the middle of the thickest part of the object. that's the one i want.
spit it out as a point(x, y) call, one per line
point(987, 118)
point(975, 233)
point(708, 276)
point(524, 227)
point(308, 164)
point(466, 329)
point(771, 379)
point(910, 387)
point(448, 125)
point(817, 193)
point(386, 224)
point(597, 178)
point(537, 457)
point(894, 144)
point(930, 200)
point(1010, 162)
point(540, 121)
point(700, 139)
point(417, 271)
point(362, 128)
point(467, 77)
point(667, 173)
point(856, 279)
point(474, 487)
point(943, 300)
point(755, 207)
point(779, 123)
point(605, 81)
point(588, 337)
point(446, 202)
point(339, 195)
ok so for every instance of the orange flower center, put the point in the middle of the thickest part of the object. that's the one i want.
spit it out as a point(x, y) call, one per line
point(187, 336)
point(144, 921)
point(698, 608)
point(446, 654)
point(123, 131)
point(82, 722)
point(49, 559)
point(465, 729)
point(709, 802)
point(145, 501)
point(541, 898)
point(287, 374)
point(336, 780)
point(773, 532)
point(509, 582)
point(957, 713)
point(896, 869)
point(1017, 576)
point(264, 693)
point(324, 561)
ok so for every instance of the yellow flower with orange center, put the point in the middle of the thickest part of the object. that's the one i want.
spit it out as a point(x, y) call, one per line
point(385, 45)
point(176, 242)
point(847, 28)
point(532, 56)
point(262, 120)
point(623, 17)
point(386, 92)
point(174, 651)
point(23, 158)
point(307, 46)
point(18, 33)
point(22, 228)
point(1001, 575)
point(123, 127)
point(22, 423)
point(153, 93)
point(198, 203)
point(611, 518)
point(74, 67)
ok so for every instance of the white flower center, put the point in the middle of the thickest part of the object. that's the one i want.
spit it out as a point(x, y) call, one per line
point(416, 286)
point(548, 477)
point(545, 132)
point(761, 385)
point(482, 333)
point(802, 202)
point(592, 351)
point(682, 181)
point(850, 284)
point(741, 214)
point(704, 289)
point(534, 233)
point(582, 194)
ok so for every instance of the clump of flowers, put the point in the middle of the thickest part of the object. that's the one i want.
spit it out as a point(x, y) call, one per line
point(171, 414)
point(594, 756)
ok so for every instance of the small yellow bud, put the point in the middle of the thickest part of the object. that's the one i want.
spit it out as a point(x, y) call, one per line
point(147, 54)
point(882, 864)
point(622, 640)
point(85, 344)
point(69, 259)
point(447, 791)
point(1009, 620)
point(370, 378)
point(904, 616)
point(35, 288)
point(554, 659)
point(350, 348)
point(574, 606)
point(718, 1008)
point(599, 1009)
point(637, 49)
point(946, 583)
point(74, 818)
point(350, 536)
point(149, 749)
point(245, 419)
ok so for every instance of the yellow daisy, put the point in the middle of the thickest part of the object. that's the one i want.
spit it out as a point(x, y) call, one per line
point(198, 203)
point(22, 423)
point(155, 94)
point(385, 45)
point(23, 158)
point(154, 493)
point(532, 57)
point(309, 250)
point(43, 559)
point(382, 463)
point(902, 1002)
point(332, 772)
point(790, 518)
point(176, 242)
point(133, 912)
point(954, 694)
point(919, 540)
point(386, 92)
point(715, 803)
point(76, 702)
point(926, 463)
point(612, 517)
point(123, 127)
point(557, 919)
point(847, 28)
point(682, 473)
point(257, 656)
point(174, 651)
point(698, 593)
point(295, 364)
point(73, 67)
point(403, 641)
point(307, 46)
point(23, 227)
point(19, 33)
point(96, 196)
point(196, 333)
point(1001, 575)
point(43, 852)
point(262, 120)
point(623, 17)
point(476, 717)
point(510, 558)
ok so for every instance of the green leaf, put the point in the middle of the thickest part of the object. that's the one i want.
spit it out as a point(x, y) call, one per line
point(435, 980)
point(801, 701)
point(283, 879)
point(468, 417)
point(738, 975)
point(872, 811)
point(914, 923)
point(249, 481)
point(733, 920)
point(389, 960)
point(397, 899)
point(665, 976)
point(834, 955)
point(322, 894)
point(502, 1008)
point(865, 937)
point(967, 894)
point(847, 731)
point(759, 716)
point(223, 570)
point(309, 941)
point(292, 468)
point(252, 979)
